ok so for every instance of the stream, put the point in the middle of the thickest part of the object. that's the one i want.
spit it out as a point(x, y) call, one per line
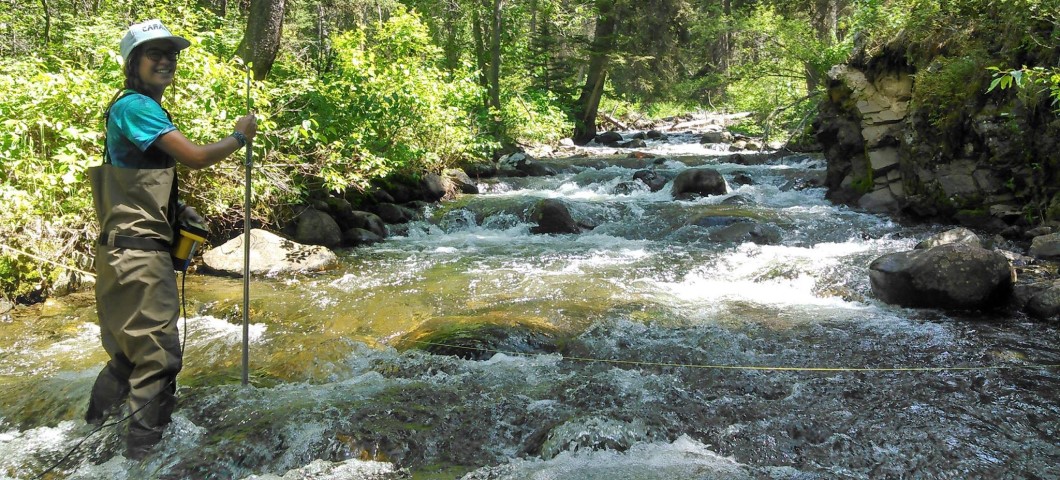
point(654, 346)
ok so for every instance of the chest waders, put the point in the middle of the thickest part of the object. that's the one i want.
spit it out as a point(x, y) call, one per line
point(136, 298)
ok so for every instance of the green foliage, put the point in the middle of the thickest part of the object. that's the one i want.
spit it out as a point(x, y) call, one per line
point(385, 108)
point(780, 62)
point(944, 90)
point(534, 117)
point(1031, 82)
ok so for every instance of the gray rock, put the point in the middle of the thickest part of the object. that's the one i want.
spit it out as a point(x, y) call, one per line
point(957, 276)
point(1045, 304)
point(626, 188)
point(651, 178)
point(879, 201)
point(608, 138)
point(367, 221)
point(358, 236)
point(747, 231)
point(433, 187)
point(269, 254)
point(1046, 246)
point(317, 228)
point(956, 235)
point(553, 216)
point(716, 137)
point(698, 181)
point(391, 213)
point(462, 181)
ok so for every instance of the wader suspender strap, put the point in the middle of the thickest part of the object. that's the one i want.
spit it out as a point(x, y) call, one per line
point(139, 243)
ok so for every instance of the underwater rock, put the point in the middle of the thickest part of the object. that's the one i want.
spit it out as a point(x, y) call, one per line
point(480, 338)
point(684, 458)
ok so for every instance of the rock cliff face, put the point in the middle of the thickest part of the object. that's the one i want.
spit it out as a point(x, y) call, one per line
point(995, 165)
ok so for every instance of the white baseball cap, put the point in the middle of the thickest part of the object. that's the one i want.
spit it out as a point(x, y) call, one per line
point(147, 31)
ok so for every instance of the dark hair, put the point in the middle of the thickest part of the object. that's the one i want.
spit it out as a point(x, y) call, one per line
point(132, 70)
point(133, 82)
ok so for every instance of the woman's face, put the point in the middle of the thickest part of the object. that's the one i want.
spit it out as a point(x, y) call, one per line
point(158, 64)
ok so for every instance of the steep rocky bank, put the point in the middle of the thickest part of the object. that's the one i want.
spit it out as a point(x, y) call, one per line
point(988, 160)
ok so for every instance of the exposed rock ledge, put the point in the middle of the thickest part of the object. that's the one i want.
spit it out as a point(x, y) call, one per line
point(885, 156)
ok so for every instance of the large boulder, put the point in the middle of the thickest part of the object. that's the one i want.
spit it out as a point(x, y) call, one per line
point(366, 221)
point(391, 213)
point(1046, 246)
point(698, 181)
point(433, 187)
point(317, 228)
point(1040, 299)
point(954, 276)
point(552, 216)
point(461, 181)
point(956, 235)
point(270, 254)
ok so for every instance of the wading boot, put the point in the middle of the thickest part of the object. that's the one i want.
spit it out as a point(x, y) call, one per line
point(147, 425)
point(108, 395)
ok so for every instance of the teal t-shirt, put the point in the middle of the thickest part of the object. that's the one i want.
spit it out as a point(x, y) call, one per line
point(135, 122)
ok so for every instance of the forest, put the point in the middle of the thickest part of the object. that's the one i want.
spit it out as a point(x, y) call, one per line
point(350, 93)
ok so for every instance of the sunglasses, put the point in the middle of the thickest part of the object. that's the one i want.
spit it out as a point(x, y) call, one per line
point(156, 54)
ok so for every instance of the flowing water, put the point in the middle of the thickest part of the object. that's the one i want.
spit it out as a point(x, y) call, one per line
point(651, 347)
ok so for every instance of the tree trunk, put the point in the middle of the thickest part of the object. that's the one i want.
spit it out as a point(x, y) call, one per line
point(452, 36)
point(589, 102)
point(495, 58)
point(261, 42)
point(218, 7)
point(323, 53)
point(480, 48)
point(825, 20)
point(47, 23)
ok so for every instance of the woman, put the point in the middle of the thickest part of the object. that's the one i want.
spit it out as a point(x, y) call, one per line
point(135, 196)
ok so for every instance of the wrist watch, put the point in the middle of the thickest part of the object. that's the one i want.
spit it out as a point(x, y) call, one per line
point(242, 139)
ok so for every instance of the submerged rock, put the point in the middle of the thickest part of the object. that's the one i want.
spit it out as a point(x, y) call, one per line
point(352, 468)
point(684, 458)
point(594, 433)
point(480, 338)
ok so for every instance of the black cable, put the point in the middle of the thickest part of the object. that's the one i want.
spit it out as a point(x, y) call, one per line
point(184, 309)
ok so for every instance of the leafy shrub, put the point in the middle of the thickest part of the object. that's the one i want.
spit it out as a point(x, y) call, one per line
point(945, 88)
point(385, 108)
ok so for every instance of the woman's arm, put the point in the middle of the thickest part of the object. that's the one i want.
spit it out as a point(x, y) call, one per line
point(201, 156)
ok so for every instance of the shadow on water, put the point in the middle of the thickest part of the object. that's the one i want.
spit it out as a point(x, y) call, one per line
point(658, 345)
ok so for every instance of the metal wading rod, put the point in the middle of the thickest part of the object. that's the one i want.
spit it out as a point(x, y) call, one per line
point(246, 247)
